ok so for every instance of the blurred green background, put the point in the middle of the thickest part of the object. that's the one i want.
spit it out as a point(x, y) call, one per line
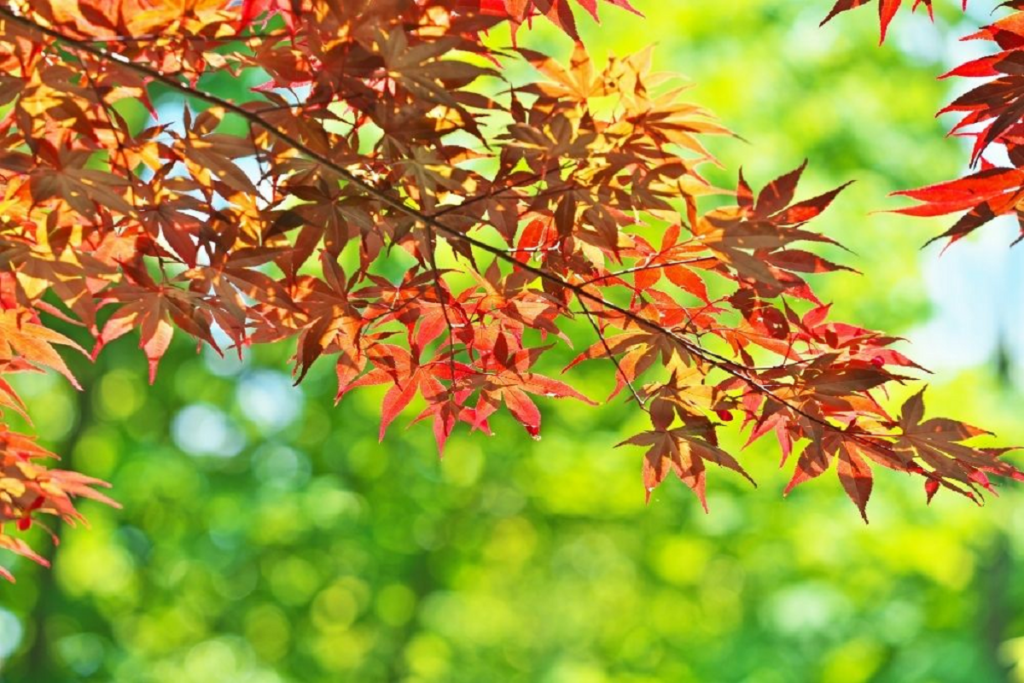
point(267, 537)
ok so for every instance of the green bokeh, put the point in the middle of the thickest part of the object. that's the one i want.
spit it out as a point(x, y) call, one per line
point(293, 547)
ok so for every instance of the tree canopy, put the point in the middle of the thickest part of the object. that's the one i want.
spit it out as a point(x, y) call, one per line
point(398, 195)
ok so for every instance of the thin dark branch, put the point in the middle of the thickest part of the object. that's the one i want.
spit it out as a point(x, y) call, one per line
point(495, 191)
point(439, 287)
point(155, 37)
point(649, 266)
point(611, 356)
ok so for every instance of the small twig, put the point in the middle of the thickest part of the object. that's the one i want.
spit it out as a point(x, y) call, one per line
point(611, 356)
point(155, 37)
point(649, 266)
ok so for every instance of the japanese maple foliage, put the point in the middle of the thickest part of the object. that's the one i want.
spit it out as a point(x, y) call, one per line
point(384, 132)
point(887, 10)
point(991, 118)
point(558, 12)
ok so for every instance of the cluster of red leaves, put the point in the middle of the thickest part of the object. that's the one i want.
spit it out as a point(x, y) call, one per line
point(385, 197)
point(558, 12)
point(887, 10)
point(992, 117)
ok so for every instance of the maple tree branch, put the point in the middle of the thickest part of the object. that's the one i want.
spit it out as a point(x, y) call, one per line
point(292, 106)
point(494, 192)
point(319, 102)
point(122, 150)
point(442, 298)
point(156, 37)
point(728, 365)
point(611, 356)
point(649, 266)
